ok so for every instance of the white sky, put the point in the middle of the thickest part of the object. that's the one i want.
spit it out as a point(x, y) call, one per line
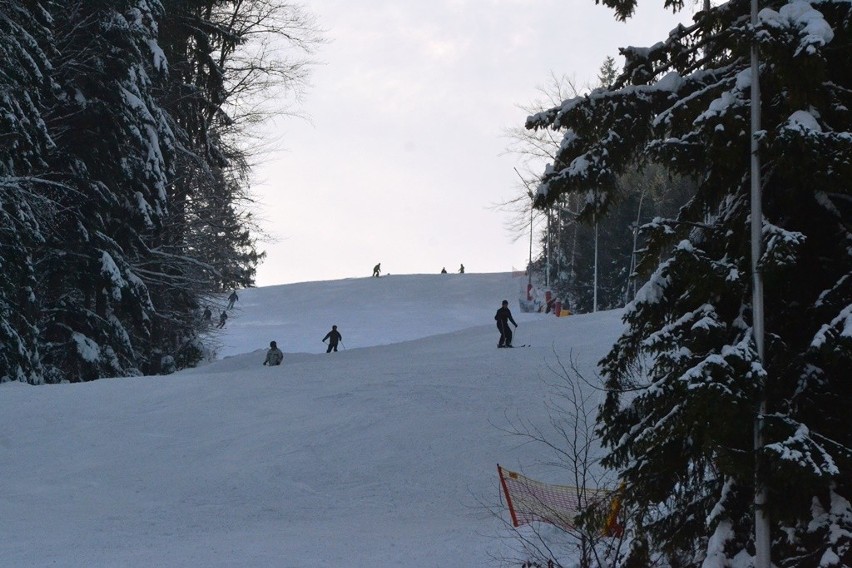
point(383, 454)
point(404, 160)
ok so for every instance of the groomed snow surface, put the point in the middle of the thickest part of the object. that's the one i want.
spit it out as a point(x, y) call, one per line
point(383, 454)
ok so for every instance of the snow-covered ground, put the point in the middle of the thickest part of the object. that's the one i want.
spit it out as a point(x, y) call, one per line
point(383, 454)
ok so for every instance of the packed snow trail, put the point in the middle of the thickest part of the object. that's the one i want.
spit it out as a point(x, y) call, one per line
point(379, 455)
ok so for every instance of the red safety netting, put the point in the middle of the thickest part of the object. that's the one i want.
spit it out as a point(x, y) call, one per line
point(530, 500)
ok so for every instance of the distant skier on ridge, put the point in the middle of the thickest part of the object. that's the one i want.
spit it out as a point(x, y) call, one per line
point(377, 269)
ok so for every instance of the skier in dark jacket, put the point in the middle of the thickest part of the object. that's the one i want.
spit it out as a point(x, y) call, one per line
point(333, 338)
point(503, 317)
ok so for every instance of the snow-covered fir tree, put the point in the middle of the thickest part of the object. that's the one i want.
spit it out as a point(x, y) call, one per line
point(113, 151)
point(586, 257)
point(122, 178)
point(222, 70)
point(683, 379)
point(643, 194)
point(23, 139)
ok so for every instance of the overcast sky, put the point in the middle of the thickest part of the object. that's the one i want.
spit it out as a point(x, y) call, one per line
point(404, 158)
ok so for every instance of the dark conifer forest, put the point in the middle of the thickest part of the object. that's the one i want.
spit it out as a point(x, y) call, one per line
point(124, 174)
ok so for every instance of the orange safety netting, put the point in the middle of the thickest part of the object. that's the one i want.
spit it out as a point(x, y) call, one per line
point(530, 500)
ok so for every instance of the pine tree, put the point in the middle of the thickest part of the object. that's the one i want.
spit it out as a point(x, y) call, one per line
point(641, 192)
point(24, 71)
point(608, 73)
point(683, 378)
point(124, 174)
point(219, 79)
point(112, 152)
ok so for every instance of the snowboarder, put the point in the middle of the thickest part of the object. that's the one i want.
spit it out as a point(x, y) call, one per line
point(503, 317)
point(207, 314)
point(333, 338)
point(377, 269)
point(461, 269)
point(444, 270)
point(274, 356)
point(223, 317)
point(232, 298)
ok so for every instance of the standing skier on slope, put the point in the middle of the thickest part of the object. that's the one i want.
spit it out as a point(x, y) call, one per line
point(333, 337)
point(503, 317)
point(231, 299)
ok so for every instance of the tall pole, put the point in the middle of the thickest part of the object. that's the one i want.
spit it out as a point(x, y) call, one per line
point(549, 245)
point(631, 278)
point(762, 539)
point(529, 263)
point(532, 208)
point(595, 293)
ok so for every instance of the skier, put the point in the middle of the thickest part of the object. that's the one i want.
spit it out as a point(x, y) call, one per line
point(274, 356)
point(461, 269)
point(232, 298)
point(223, 317)
point(333, 337)
point(444, 270)
point(377, 269)
point(503, 317)
point(207, 314)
